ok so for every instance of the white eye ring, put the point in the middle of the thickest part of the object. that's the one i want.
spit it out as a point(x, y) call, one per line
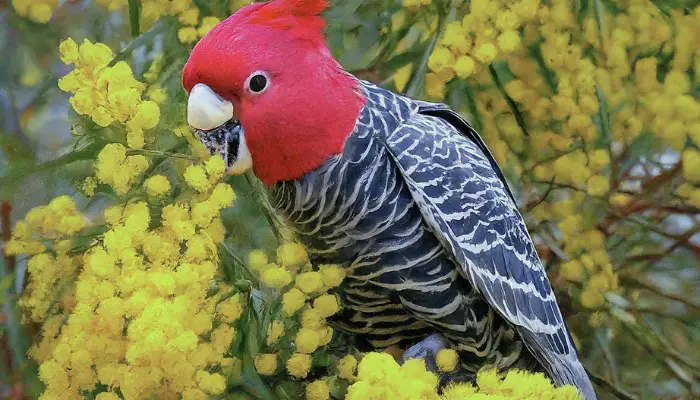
point(260, 77)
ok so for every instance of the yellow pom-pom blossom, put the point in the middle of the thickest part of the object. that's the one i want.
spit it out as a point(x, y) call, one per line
point(292, 254)
point(592, 298)
point(231, 308)
point(309, 282)
point(317, 390)
point(312, 319)
point(326, 305)
point(293, 301)
point(276, 277)
point(572, 270)
point(196, 177)
point(88, 186)
point(299, 365)
point(331, 275)
point(118, 170)
point(257, 259)
point(206, 25)
point(211, 383)
point(347, 367)
point(447, 360)
point(187, 34)
point(36, 10)
point(137, 315)
point(107, 94)
point(379, 376)
point(266, 364)
point(307, 340)
point(458, 392)
point(598, 185)
point(52, 272)
point(157, 185)
point(141, 310)
point(189, 17)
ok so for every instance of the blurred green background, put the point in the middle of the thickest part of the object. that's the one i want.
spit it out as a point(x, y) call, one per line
point(638, 330)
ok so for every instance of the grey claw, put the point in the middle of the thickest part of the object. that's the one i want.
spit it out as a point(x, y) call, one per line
point(426, 349)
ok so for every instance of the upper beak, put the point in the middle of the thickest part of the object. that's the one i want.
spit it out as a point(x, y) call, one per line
point(207, 110)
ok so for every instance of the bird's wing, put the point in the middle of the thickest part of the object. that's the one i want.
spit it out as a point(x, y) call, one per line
point(465, 199)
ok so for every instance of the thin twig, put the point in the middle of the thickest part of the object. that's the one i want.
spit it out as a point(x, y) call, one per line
point(608, 357)
point(158, 28)
point(163, 154)
point(648, 286)
point(419, 75)
point(610, 387)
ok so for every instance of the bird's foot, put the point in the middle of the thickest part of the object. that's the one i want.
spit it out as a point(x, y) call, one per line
point(427, 349)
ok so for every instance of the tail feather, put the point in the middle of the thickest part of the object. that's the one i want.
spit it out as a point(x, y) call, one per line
point(563, 369)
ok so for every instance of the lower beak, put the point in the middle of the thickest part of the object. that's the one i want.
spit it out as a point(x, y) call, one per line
point(228, 141)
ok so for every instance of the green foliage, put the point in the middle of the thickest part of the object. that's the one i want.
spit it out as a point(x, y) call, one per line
point(642, 341)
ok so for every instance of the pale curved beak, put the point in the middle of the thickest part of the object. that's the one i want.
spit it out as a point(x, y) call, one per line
point(212, 118)
point(206, 110)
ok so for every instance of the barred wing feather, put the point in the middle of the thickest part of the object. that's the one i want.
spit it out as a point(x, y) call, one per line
point(465, 200)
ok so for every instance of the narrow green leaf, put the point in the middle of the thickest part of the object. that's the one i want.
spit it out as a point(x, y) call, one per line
point(419, 75)
point(401, 60)
point(253, 383)
point(135, 17)
point(513, 106)
point(87, 153)
point(473, 110)
point(15, 339)
point(156, 29)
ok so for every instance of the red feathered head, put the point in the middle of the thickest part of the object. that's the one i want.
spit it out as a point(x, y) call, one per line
point(268, 66)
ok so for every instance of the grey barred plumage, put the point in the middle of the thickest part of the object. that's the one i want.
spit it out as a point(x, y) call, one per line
point(418, 212)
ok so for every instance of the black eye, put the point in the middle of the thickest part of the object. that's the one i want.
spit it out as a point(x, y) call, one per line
point(258, 83)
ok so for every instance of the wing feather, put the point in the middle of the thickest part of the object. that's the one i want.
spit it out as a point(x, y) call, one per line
point(466, 201)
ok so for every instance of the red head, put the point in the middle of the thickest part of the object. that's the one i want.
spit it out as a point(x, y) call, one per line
point(270, 62)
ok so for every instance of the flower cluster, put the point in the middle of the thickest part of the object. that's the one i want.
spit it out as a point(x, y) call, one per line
point(106, 93)
point(50, 272)
point(301, 329)
point(148, 315)
point(194, 28)
point(36, 10)
point(584, 96)
point(151, 10)
point(115, 168)
point(379, 376)
point(488, 31)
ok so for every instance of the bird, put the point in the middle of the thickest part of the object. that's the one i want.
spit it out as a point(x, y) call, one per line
point(403, 193)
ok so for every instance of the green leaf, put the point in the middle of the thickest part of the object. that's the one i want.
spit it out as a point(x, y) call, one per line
point(473, 110)
point(253, 382)
point(513, 106)
point(16, 341)
point(419, 75)
point(401, 60)
point(87, 153)
point(135, 17)
point(158, 28)
point(5, 284)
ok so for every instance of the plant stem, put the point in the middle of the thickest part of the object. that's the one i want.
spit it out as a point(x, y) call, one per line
point(135, 17)
point(158, 28)
point(419, 76)
point(163, 154)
